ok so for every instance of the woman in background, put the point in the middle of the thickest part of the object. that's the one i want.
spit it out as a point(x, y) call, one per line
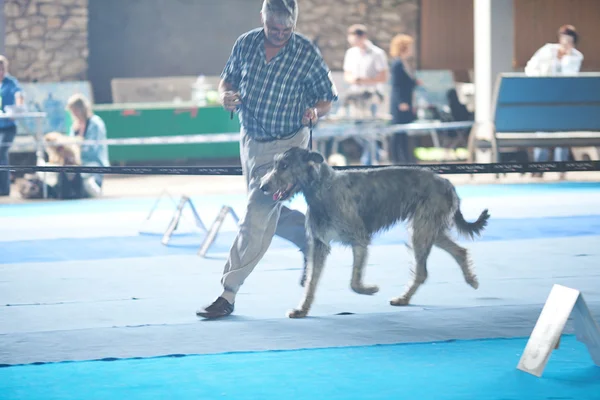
point(89, 127)
point(401, 97)
point(553, 59)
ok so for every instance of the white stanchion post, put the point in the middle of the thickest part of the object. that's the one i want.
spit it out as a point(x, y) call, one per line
point(494, 48)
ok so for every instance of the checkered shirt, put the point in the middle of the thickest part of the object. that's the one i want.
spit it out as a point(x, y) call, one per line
point(275, 94)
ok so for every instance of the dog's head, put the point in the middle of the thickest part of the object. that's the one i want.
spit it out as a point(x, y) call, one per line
point(292, 171)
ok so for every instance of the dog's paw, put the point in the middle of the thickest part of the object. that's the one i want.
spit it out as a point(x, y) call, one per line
point(297, 313)
point(399, 301)
point(366, 289)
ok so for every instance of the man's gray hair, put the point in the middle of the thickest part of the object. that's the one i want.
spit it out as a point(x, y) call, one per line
point(284, 12)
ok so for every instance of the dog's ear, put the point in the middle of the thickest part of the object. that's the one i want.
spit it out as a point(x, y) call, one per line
point(312, 157)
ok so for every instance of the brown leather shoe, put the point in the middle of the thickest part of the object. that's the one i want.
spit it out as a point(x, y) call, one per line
point(218, 309)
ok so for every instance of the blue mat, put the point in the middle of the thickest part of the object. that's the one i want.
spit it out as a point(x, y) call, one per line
point(149, 245)
point(137, 204)
point(477, 369)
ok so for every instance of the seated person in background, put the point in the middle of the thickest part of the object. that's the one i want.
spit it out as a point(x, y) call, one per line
point(88, 127)
point(62, 150)
point(553, 59)
point(560, 58)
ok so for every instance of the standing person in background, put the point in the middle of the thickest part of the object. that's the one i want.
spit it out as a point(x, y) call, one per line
point(10, 95)
point(553, 59)
point(89, 127)
point(366, 71)
point(401, 97)
point(365, 65)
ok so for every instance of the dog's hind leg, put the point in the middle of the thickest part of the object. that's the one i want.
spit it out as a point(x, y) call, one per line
point(422, 242)
point(360, 254)
point(461, 255)
point(317, 254)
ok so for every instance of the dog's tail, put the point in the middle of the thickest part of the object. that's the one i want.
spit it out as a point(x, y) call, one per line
point(471, 229)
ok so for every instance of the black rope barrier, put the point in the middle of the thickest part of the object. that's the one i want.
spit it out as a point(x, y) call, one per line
point(487, 168)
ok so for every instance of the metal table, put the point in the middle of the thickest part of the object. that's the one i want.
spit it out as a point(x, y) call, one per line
point(372, 129)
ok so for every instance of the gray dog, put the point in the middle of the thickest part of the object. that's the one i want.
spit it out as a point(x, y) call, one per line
point(350, 206)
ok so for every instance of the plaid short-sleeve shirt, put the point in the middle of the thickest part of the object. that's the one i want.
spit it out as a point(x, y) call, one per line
point(275, 94)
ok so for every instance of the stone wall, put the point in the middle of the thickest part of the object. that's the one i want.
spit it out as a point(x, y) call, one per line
point(46, 40)
point(328, 21)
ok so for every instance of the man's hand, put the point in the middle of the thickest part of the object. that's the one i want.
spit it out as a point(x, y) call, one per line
point(311, 114)
point(230, 100)
point(403, 107)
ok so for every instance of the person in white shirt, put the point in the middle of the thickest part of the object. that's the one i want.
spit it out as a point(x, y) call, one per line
point(560, 58)
point(554, 59)
point(365, 65)
point(365, 69)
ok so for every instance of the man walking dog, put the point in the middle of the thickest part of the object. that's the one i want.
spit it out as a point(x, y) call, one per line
point(279, 83)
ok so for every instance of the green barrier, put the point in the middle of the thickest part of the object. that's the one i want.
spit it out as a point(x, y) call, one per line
point(133, 120)
point(433, 154)
point(137, 120)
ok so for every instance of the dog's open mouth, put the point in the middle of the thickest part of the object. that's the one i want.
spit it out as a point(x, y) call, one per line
point(284, 194)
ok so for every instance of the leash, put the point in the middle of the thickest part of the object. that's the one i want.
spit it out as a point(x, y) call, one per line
point(310, 134)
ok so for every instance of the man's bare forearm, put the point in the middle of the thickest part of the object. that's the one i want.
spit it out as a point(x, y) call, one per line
point(323, 107)
point(230, 99)
point(379, 78)
point(225, 86)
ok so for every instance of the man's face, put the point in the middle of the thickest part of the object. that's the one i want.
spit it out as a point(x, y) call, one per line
point(2, 71)
point(355, 40)
point(276, 32)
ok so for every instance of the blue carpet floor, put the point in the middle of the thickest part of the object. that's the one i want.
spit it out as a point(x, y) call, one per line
point(106, 305)
point(148, 245)
point(480, 369)
point(135, 204)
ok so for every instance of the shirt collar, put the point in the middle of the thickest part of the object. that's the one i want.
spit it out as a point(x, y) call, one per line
point(291, 45)
point(369, 46)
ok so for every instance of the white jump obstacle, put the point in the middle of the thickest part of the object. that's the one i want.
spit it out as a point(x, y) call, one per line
point(177, 217)
point(211, 233)
point(545, 337)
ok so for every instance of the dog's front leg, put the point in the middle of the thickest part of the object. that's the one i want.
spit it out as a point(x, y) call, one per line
point(360, 254)
point(317, 254)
